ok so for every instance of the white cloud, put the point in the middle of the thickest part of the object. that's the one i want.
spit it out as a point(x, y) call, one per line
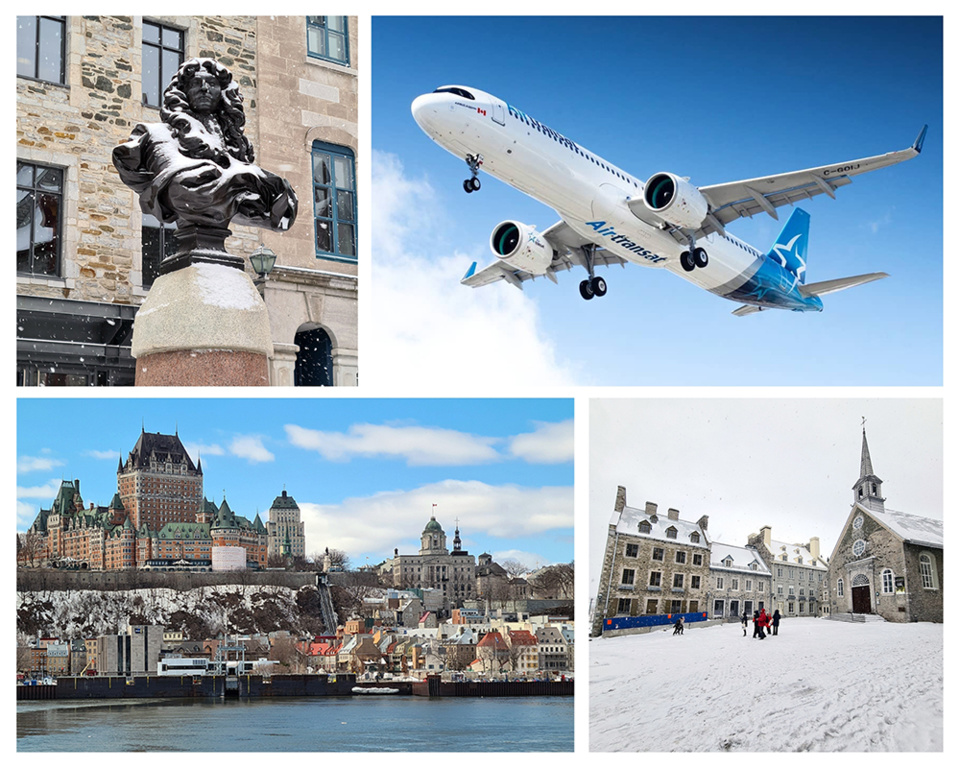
point(531, 560)
point(46, 492)
point(549, 443)
point(420, 446)
point(428, 331)
point(390, 519)
point(102, 454)
point(251, 448)
point(26, 514)
point(199, 450)
point(35, 463)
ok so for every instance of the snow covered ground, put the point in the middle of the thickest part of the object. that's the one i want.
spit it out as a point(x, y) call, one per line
point(819, 685)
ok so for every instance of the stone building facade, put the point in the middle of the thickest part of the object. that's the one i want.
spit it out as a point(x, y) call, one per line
point(652, 564)
point(86, 256)
point(739, 581)
point(886, 562)
point(797, 573)
point(451, 573)
point(285, 537)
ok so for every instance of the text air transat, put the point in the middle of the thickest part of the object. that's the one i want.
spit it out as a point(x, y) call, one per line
point(608, 216)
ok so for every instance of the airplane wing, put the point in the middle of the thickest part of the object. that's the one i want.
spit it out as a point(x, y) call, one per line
point(737, 199)
point(566, 245)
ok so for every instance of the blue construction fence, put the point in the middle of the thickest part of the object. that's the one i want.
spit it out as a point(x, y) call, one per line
point(657, 620)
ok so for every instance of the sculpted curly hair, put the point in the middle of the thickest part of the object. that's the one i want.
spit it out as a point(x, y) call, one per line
point(229, 113)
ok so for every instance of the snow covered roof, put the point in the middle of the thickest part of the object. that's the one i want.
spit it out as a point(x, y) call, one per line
point(797, 554)
point(740, 559)
point(910, 528)
point(628, 522)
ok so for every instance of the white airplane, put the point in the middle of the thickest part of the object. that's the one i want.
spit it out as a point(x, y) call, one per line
point(608, 216)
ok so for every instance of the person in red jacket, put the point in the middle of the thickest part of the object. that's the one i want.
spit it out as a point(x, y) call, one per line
point(764, 622)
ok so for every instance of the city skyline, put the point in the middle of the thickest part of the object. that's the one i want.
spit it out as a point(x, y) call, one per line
point(366, 474)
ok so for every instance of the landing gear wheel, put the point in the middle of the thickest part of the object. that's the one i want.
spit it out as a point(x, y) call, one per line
point(586, 290)
point(598, 286)
point(474, 184)
point(686, 261)
point(700, 258)
point(467, 186)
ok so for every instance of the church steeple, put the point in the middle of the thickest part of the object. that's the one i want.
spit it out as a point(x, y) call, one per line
point(867, 489)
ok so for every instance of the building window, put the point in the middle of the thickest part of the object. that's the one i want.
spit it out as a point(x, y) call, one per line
point(839, 587)
point(735, 584)
point(157, 243)
point(718, 607)
point(627, 579)
point(859, 546)
point(651, 607)
point(779, 590)
point(41, 44)
point(719, 582)
point(654, 578)
point(698, 559)
point(681, 557)
point(671, 532)
point(327, 38)
point(759, 586)
point(162, 57)
point(694, 582)
point(928, 575)
point(633, 550)
point(39, 201)
point(748, 585)
point(658, 553)
point(623, 605)
point(695, 537)
point(644, 527)
point(678, 581)
point(676, 606)
point(886, 577)
point(334, 202)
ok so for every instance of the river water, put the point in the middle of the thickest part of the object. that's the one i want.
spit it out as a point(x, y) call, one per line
point(348, 724)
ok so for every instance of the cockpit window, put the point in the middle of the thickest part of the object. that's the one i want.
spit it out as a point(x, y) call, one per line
point(458, 91)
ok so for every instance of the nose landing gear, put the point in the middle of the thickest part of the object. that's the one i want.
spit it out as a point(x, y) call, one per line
point(473, 183)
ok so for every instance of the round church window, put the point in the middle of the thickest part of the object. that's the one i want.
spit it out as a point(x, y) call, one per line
point(858, 547)
point(858, 522)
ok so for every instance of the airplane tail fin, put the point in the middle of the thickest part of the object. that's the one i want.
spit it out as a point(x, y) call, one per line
point(841, 283)
point(790, 248)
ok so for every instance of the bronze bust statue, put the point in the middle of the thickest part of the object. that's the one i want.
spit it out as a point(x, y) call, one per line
point(196, 167)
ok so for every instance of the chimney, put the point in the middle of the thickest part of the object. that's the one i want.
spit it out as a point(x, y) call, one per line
point(702, 522)
point(673, 514)
point(814, 547)
point(765, 532)
point(621, 501)
point(650, 508)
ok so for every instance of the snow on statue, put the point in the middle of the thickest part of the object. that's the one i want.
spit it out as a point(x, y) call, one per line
point(196, 167)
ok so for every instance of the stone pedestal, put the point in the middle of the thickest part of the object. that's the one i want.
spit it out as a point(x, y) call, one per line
point(202, 325)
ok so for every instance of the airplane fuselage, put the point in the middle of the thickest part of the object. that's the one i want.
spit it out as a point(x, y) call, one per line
point(591, 194)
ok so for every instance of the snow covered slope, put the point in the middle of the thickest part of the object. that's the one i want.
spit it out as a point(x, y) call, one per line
point(818, 686)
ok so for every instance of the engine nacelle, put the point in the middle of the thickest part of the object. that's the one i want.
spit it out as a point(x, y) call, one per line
point(521, 246)
point(675, 200)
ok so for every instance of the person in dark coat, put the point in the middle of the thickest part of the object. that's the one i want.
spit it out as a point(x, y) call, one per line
point(775, 623)
point(757, 631)
point(678, 627)
point(743, 620)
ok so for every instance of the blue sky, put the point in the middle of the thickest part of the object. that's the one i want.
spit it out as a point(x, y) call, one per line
point(365, 473)
point(716, 99)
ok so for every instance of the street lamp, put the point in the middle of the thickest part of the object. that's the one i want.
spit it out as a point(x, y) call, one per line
point(263, 260)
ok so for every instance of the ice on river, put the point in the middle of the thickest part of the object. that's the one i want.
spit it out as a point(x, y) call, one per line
point(820, 685)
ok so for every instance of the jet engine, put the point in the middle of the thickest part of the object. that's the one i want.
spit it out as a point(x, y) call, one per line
point(675, 200)
point(521, 246)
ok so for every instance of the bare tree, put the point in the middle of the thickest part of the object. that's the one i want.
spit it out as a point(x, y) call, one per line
point(514, 567)
point(554, 582)
point(30, 549)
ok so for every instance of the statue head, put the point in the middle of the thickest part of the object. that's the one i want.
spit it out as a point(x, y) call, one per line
point(201, 88)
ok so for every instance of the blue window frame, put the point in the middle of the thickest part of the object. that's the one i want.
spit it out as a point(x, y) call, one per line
point(327, 38)
point(41, 42)
point(334, 202)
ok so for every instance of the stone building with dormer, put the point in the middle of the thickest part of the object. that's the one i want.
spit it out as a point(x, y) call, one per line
point(885, 562)
point(797, 573)
point(86, 254)
point(653, 563)
point(739, 581)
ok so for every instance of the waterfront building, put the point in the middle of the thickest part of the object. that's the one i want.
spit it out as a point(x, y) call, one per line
point(87, 256)
point(886, 562)
point(135, 651)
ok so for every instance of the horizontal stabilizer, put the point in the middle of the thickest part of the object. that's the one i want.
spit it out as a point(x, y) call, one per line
point(746, 309)
point(840, 284)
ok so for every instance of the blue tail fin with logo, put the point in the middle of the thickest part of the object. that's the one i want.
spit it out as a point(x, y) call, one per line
point(790, 248)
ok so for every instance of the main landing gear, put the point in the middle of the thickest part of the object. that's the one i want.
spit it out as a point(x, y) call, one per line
point(691, 260)
point(594, 285)
point(473, 183)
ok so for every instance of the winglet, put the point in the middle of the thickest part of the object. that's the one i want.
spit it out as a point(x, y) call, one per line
point(473, 268)
point(918, 144)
